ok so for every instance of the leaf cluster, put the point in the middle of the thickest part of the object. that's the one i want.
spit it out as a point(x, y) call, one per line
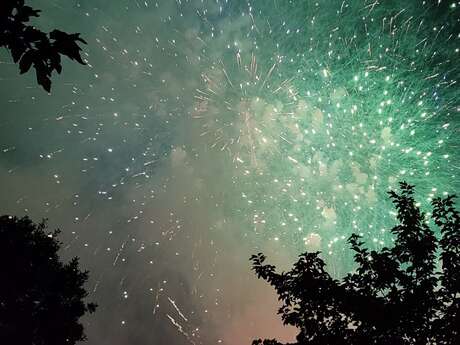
point(396, 296)
point(41, 298)
point(31, 47)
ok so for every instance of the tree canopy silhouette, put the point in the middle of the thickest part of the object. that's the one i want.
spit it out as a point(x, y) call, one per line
point(31, 47)
point(41, 298)
point(406, 294)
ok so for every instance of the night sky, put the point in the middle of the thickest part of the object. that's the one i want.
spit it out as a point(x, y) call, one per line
point(203, 131)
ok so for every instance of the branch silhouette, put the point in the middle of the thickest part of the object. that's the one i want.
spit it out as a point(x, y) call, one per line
point(31, 47)
point(396, 296)
point(41, 298)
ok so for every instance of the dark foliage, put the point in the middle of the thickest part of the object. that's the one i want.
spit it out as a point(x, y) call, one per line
point(396, 296)
point(32, 47)
point(41, 299)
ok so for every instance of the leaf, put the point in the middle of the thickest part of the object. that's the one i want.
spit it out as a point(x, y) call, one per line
point(55, 62)
point(16, 51)
point(66, 44)
point(25, 12)
point(26, 61)
point(43, 78)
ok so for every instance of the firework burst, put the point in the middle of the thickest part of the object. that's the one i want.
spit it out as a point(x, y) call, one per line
point(243, 107)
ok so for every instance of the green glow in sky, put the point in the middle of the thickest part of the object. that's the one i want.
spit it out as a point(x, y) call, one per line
point(204, 131)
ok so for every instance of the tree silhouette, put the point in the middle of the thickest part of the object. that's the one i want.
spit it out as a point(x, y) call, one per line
point(396, 296)
point(32, 47)
point(41, 299)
